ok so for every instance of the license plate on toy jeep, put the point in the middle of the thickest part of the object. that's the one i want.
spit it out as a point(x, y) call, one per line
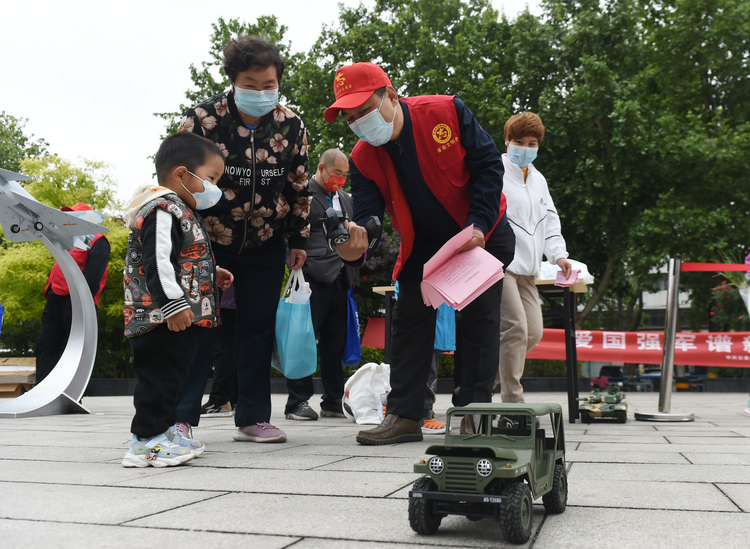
point(449, 496)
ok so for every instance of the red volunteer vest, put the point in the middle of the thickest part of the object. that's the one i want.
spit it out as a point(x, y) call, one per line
point(56, 279)
point(441, 161)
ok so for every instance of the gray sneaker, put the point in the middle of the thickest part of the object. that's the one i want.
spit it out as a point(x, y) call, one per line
point(302, 412)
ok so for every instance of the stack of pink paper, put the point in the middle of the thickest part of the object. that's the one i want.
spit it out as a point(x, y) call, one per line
point(458, 279)
point(562, 280)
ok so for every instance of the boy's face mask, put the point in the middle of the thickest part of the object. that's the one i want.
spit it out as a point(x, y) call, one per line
point(209, 196)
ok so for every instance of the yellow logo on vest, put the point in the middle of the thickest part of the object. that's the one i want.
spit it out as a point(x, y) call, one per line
point(441, 133)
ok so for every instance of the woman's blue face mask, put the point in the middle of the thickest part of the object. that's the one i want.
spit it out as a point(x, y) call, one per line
point(256, 102)
point(522, 156)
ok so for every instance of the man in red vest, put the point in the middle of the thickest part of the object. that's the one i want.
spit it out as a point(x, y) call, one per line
point(56, 318)
point(428, 162)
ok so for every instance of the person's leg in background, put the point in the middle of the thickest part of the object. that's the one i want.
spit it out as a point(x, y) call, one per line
point(332, 338)
point(189, 410)
point(224, 385)
point(56, 321)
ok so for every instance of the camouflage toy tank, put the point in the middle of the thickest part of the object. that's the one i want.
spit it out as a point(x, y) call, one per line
point(604, 405)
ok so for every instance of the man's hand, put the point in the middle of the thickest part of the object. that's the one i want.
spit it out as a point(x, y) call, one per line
point(477, 239)
point(565, 265)
point(181, 321)
point(224, 278)
point(296, 258)
point(356, 246)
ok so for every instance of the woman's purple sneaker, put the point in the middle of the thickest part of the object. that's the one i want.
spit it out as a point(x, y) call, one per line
point(260, 432)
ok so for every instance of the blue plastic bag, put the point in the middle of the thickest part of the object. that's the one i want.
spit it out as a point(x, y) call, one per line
point(295, 352)
point(353, 348)
point(445, 328)
point(2, 312)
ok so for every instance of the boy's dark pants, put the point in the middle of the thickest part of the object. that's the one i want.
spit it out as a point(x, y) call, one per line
point(161, 359)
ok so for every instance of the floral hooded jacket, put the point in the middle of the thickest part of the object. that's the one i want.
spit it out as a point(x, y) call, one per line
point(265, 193)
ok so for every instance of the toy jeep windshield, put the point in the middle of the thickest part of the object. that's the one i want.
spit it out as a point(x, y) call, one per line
point(497, 459)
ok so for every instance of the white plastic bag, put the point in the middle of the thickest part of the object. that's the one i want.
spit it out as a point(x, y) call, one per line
point(365, 392)
point(297, 289)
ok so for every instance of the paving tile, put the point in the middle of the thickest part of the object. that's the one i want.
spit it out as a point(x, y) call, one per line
point(89, 473)
point(634, 494)
point(660, 472)
point(579, 528)
point(739, 493)
point(333, 483)
point(634, 438)
point(69, 454)
point(90, 504)
point(629, 455)
point(717, 459)
point(270, 460)
point(380, 520)
point(371, 464)
point(36, 534)
point(712, 448)
point(701, 441)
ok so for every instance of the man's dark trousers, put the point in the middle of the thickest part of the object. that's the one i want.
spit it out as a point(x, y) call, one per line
point(414, 337)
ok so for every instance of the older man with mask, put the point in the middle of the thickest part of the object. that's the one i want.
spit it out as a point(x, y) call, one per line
point(329, 281)
point(428, 162)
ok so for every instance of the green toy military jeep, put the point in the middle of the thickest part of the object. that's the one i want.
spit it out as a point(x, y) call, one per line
point(497, 459)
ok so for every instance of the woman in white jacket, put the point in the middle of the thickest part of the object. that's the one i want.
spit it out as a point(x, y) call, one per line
point(534, 219)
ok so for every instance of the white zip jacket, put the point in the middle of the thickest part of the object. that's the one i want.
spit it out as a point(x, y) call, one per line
point(534, 219)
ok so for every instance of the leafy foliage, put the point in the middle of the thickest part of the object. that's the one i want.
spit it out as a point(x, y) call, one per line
point(15, 145)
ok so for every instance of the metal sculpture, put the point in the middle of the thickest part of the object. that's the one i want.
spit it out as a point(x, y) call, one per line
point(25, 219)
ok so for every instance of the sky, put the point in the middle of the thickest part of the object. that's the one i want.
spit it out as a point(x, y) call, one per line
point(89, 75)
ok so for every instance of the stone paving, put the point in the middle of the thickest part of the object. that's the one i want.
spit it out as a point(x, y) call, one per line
point(635, 485)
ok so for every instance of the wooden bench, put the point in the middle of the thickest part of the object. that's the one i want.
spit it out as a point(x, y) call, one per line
point(17, 375)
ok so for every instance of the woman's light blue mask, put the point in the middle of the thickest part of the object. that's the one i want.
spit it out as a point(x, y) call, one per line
point(209, 196)
point(372, 127)
point(256, 102)
point(522, 156)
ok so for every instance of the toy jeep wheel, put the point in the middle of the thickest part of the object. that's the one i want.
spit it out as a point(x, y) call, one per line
point(556, 499)
point(516, 512)
point(422, 516)
point(622, 416)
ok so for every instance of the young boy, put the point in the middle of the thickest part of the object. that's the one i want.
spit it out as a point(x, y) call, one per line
point(170, 283)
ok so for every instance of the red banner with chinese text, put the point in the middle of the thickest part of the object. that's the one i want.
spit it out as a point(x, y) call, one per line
point(729, 349)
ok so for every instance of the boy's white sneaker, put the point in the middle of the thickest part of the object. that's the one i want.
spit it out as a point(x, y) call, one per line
point(156, 452)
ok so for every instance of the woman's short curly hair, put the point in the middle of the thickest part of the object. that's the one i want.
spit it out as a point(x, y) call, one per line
point(524, 124)
point(246, 52)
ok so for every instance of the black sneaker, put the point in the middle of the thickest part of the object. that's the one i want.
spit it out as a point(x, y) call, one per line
point(211, 409)
point(333, 411)
point(302, 412)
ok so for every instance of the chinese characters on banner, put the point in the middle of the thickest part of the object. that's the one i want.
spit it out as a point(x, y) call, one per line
point(731, 349)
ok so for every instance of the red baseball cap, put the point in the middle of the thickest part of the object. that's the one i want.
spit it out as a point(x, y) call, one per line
point(80, 207)
point(353, 85)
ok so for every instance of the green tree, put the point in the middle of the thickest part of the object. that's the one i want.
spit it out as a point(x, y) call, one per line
point(209, 79)
point(24, 266)
point(425, 47)
point(15, 145)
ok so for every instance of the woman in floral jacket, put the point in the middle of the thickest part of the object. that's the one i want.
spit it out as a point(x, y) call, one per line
point(266, 198)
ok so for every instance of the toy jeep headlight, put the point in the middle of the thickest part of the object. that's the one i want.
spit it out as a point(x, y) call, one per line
point(484, 468)
point(436, 465)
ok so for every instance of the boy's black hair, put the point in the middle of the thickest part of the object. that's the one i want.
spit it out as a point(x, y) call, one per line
point(251, 51)
point(183, 149)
